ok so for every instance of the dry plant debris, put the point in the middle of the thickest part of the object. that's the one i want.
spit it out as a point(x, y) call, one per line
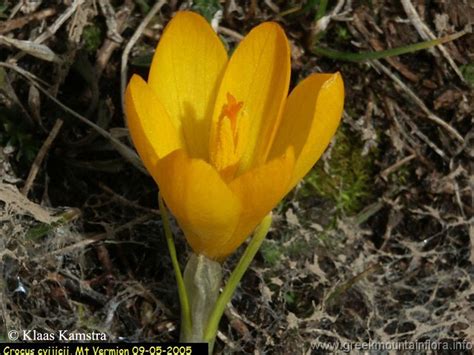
point(376, 245)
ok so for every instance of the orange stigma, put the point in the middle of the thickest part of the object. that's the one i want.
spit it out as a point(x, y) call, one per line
point(231, 110)
point(229, 137)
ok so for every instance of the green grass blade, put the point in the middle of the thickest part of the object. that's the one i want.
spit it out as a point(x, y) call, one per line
point(323, 4)
point(360, 57)
point(186, 321)
point(234, 279)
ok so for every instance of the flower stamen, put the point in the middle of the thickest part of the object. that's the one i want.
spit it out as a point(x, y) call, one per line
point(229, 138)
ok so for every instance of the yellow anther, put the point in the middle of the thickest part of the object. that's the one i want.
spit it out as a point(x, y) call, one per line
point(230, 136)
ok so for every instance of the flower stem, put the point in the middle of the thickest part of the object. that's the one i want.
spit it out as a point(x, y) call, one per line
point(186, 322)
point(234, 279)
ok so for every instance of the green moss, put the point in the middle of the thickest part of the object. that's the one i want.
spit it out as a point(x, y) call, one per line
point(143, 5)
point(348, 181)
point(402, 176)
point(468, 73)
point(92, 38)
point(271, 253)
point(290, 297)
point(207, 8)
point(342, 33)
point(299, 247)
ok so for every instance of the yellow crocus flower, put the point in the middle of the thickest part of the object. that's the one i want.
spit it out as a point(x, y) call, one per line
point(220, 136)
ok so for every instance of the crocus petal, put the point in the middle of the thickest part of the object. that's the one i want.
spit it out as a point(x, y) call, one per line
point(260, 189)
point(152, 132)
point(185, 73)
point(204, 206)
point(310, 119)
point(258, 75)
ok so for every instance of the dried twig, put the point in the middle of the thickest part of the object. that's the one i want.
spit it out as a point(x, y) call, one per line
point(17, 23)
point(126, 202)
point(420, 134)
point(110, 19)
point(457, 192)
point(231, 33)
point(229, 343)
point(125, 151)
point(394, 218)
point(425, 33)
point(4, 313)
point(109, 46)
point(412, 146)
point(322, 23)
point(51, 30)
point(15, 9)
point(40, 156)
point(20, 205)
point(99, 237)
point(384, 174)
point(32, 48)
point(12, 98)
point(79, 288)
point(431, 116)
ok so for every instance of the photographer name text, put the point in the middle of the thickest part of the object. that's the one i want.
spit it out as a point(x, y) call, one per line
point(60, 335)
